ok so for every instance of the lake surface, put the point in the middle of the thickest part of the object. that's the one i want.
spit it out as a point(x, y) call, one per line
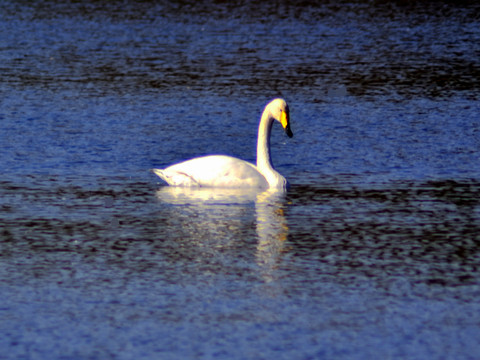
point(374, 252)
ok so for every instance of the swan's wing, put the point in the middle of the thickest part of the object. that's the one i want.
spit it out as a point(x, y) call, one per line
point(213, 170)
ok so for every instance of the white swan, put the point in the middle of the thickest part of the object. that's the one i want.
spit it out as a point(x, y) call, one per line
point(229, 172)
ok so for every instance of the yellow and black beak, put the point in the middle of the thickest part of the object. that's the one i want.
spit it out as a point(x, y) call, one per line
point(285, 120)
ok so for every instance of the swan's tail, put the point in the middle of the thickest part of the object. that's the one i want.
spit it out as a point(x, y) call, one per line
point(159, 173)
point(175, 178)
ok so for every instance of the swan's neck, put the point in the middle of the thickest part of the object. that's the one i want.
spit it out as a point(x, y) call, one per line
point(264, 162)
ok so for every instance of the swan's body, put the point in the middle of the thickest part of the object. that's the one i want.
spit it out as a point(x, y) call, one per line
point(230, 172)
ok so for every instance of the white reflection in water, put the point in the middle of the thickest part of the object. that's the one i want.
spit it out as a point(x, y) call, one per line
point(224, 215)
point(272, 231)
point(202, 196)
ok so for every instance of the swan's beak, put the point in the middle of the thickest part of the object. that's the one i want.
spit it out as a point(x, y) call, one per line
point(285, 121)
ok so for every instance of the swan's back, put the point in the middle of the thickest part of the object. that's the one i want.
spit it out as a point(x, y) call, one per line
point(213, 171)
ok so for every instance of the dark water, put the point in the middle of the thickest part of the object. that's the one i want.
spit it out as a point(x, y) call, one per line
point(373, 253)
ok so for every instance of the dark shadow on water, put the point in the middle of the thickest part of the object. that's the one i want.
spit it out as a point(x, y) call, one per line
point(426, 232)
point(370, 49)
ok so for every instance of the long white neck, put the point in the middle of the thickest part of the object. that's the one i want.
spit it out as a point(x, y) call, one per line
point(264, 162)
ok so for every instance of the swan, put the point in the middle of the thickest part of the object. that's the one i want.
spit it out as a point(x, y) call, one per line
point(229, 172)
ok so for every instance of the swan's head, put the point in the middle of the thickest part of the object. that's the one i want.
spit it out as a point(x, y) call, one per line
point(278, 109)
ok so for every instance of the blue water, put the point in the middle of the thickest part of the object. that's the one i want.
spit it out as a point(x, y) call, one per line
point(374, 251)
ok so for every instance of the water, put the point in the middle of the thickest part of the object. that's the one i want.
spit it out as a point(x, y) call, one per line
point(373, 252)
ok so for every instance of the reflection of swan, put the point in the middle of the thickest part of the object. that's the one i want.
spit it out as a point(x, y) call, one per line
point(230, 172)
point(211, 220)
point(201, 196)
point(272, 231)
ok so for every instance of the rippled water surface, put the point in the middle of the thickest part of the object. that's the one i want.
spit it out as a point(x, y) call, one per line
point(374, 252)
